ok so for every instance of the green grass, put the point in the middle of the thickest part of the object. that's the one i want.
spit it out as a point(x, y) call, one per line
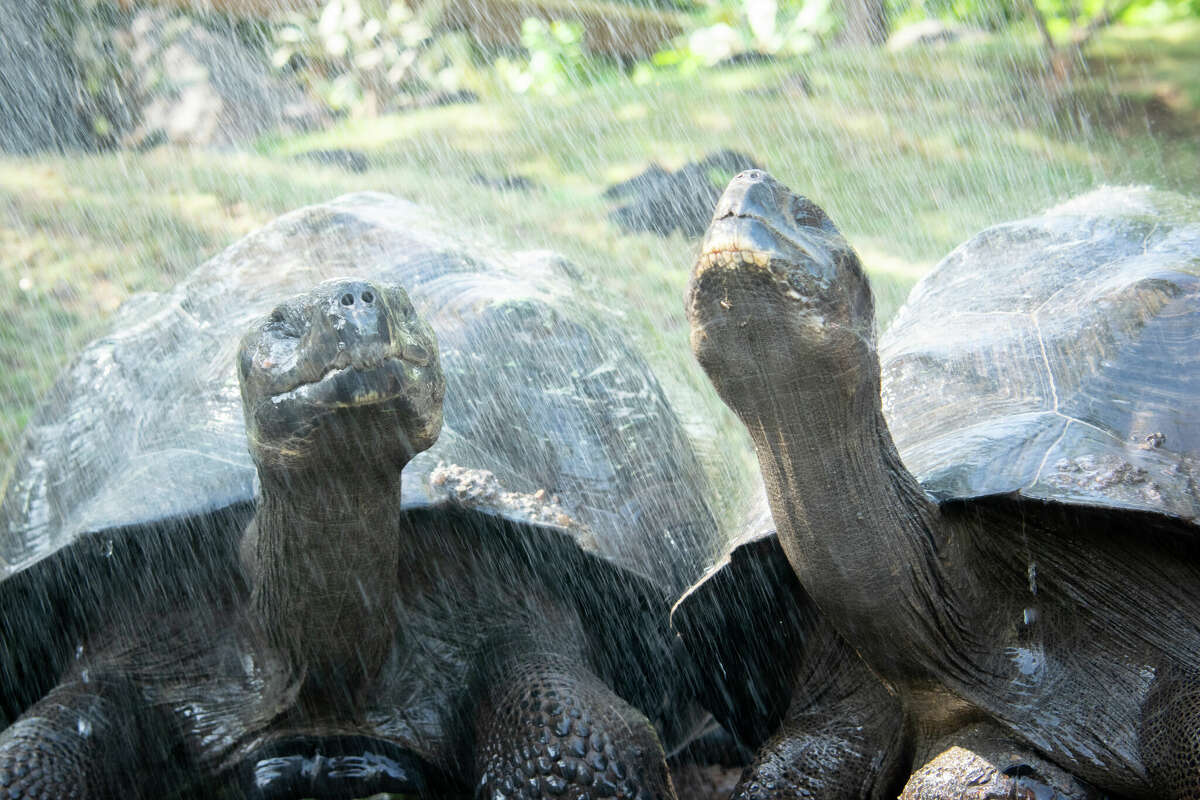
point(909, 153)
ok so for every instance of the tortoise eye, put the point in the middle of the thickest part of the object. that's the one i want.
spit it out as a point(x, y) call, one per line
point(279, 323)
point(805, 212)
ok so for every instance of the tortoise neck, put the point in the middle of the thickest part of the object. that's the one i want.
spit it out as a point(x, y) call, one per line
point(332, 496)
point(324, 570)
point(857, 527)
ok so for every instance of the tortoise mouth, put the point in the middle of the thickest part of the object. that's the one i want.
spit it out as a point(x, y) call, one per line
point(799, 264)
point(742, 240)
point(354, 385)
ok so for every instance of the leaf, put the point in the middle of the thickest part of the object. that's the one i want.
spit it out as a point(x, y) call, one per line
point(337, 45)
point(760, 16)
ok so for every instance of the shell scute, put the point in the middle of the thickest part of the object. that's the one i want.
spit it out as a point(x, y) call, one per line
point(1041, 356)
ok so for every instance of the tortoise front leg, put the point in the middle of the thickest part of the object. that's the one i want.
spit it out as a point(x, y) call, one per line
point(842, 738)
point(1170, 732)
point(547, 728)
point(93, 739)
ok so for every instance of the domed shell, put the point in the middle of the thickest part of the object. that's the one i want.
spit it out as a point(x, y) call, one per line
point(551, 417)
point(1058, 358)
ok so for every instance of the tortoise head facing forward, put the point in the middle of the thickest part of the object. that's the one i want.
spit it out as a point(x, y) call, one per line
point(345, 373)
point(777, 292)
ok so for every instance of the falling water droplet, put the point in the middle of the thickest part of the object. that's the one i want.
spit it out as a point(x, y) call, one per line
point(1032, 578)
point(85, 676)
point(79, 651)
point(1028, 661)
point(84, 727)
point(106, 548)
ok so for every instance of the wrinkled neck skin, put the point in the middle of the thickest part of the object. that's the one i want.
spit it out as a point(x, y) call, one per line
point(856, 526)
point(325, 559)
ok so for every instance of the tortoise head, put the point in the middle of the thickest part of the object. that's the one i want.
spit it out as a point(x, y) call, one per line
point(346, 375)
point(778, 295)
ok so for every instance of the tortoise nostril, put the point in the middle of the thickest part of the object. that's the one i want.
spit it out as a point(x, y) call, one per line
point(367, 297)
point(347, 299)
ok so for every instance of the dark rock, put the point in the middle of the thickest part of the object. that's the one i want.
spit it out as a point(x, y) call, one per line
point(659, 201)
point(931, 33)
point(794, 85)
point(746, 58)
point(436, 100)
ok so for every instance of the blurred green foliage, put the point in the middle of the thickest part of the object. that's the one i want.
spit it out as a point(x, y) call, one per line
point(734, 29)
point(1066, 16)
point(1062, 16)
point(728, 31)
point(365, 57)
point(554, 62)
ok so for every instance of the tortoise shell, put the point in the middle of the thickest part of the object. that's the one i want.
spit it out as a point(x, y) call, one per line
point(1058, 358)
point(135, 471)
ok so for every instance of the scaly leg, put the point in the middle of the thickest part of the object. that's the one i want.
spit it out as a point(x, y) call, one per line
point(94, 739)
point(1170, 734)
point(842, 737)
point(548, 728)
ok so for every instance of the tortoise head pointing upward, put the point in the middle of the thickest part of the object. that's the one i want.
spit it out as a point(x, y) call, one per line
point(345, 374)
point(778, 297)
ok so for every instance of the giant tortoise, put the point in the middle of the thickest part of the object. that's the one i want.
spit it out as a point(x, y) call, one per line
point(496, 620)
point(1009, 532)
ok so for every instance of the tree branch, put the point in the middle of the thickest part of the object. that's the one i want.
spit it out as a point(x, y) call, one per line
point(1040, 21)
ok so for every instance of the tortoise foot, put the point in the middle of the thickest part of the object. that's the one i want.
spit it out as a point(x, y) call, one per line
point(820, 762)
point(549, 729)
point(331, 769)
point(840, 739)
point(980, 762)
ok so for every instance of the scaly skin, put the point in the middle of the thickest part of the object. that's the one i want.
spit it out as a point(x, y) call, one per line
point(782, 322)
point(842, 738)
point(548, 728)
point(86, 740)
point(341, 387)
